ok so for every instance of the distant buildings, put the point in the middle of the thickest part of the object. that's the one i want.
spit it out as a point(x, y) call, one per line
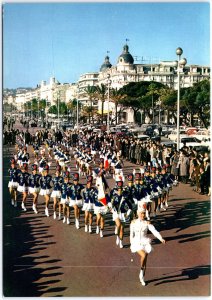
point(125, 71)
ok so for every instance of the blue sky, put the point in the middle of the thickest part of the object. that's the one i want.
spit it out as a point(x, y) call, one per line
point(69, 39)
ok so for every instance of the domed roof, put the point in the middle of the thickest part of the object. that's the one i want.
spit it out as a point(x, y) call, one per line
point(106, 64)
point(126, 57)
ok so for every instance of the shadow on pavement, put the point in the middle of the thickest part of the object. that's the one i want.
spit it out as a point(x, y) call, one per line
point(186, 274)
point(23, 237)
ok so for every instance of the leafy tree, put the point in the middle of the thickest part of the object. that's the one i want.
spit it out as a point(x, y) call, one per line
point(197, 101)
point(91, 92)
point(116, 96)
point(138, 95)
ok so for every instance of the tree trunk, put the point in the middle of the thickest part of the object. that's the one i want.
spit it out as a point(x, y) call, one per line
point(102, 111)
point(116, 112)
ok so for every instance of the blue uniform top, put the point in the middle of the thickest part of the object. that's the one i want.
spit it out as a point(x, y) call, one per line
point(140, 191)
point(89, 194)
point(75, 191)
point(121, 203)
point(57, 183)
point(34, 180)
point(25, 157)
point(13, 173)
point(23, 178)
point(45, 182)
point(65, 190)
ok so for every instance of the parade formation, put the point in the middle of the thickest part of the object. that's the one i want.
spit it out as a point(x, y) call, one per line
point(135, 199)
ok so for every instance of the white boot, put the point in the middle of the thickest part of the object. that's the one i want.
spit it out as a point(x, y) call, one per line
point(55, 215)
point(15, 204)
point(90, 229)
point(68, 221)
point(101, 233)
point(117, 240)
point(64, 219)
point(47, 211)
point(141, 277)
point(77, 223)
point(120, 244)
point(23, 206)
point(33, 206)
point(116, 230)
point(35, 210)
point(162, 207)
point(97, 229)
point(86, 228)
point(59, 217)
point(12, 202)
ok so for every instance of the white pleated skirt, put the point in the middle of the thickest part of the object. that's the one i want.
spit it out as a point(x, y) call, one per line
point(45, 192)
point(88, 207)
point(144, 244)
point(34, 190)
point(56, 194)
point(13, 184)
point(102, 210)
point(79, 203)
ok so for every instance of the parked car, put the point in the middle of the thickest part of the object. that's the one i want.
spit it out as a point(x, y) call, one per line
point(143, 137)
point(189, 141)
point(173, 135)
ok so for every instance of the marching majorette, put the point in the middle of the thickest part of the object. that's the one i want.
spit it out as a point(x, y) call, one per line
point(76, 200)
point(35, 147)
point(25, 156)
point(13, 182)
point(34, 186)
point(23, 184)
point(141, 192)
point(45, 183)
point(139, 240)
point(121, 209)
point(56, 192)
point(89, 194)
point(130, 191)
point(65, 198)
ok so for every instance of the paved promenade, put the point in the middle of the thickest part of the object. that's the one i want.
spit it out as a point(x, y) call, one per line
point(44, 257)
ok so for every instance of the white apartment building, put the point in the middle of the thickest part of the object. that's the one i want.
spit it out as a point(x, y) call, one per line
point(120, 74)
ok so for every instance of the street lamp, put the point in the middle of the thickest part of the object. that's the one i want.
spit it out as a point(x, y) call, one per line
point(108, 105)
point(77, 107)
point(180, 63)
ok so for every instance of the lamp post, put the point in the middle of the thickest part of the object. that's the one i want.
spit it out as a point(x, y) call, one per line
point(180, 63)
point(77, 107)
point(108, 103)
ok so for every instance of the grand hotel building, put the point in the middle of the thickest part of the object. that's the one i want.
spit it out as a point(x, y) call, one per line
point(120, 74)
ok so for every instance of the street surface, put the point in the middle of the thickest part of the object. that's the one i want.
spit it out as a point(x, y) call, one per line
point(44, 257)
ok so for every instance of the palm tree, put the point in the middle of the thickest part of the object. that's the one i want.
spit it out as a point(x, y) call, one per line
point(91, 92)
point(101, 93)
point(116, 96)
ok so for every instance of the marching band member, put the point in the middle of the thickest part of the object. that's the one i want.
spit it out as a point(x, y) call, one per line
point(89, 195)
point(121, 209)
point(76, 198)
point(56, 193)
point(13, 182)
point(34, 186)
point(25, 156)
point(130, 190)
point(100, 210)
point(139, 240)
point(23, 184)
point(65, 194)
point(45, 183)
